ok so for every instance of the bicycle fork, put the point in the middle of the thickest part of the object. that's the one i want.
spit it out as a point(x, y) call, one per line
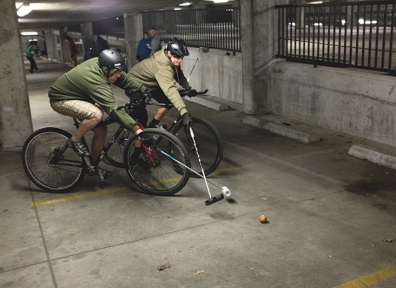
point(152, 155)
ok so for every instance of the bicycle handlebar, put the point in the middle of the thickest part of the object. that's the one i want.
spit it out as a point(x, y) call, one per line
point(185, 93)
point(147, 98)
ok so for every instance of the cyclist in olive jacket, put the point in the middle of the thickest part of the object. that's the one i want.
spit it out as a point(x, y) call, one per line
point(160, 73)
point(85, 92)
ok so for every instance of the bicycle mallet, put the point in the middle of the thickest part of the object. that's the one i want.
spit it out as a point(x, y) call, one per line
point(188, 79)
point(225, 190)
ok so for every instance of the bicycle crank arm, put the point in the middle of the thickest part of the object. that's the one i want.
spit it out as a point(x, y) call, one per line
point(214, 199)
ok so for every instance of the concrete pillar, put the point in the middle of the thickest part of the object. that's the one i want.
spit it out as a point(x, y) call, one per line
point(87, 37)
point(133, 25)
point(45, 44)
point(248, 99)
point(65, 56)
point(259, 46)
point(15, 118)
point(50, 41)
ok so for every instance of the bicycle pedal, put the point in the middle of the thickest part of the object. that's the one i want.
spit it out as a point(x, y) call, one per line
point(91, 173)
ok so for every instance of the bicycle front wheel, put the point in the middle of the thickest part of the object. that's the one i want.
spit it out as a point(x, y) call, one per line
point(209, 144)
point(161, 169)
point(49, 163)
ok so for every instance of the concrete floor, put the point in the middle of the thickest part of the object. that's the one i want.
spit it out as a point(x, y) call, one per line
point(331, 216)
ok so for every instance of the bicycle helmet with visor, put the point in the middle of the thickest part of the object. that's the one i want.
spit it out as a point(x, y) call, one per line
point(111, 59)
point(177, 47)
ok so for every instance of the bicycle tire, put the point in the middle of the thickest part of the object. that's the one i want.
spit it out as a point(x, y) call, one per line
point(162, 178)
point(115, 155)
point(64, 173)
point(209, 143)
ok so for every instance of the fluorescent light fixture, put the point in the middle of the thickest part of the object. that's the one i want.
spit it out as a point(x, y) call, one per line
point(177, 8)
point(362, 21)
point(185, 4)
point(29, 33)
point(24, 10)
point(316, 2)
point(220, 1)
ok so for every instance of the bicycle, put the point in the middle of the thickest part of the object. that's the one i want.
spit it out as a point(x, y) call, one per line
point(55, 167)
point(209, 141)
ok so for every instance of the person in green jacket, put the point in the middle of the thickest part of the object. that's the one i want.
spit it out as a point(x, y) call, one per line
point(85, 93)
point(30, 57)
point(160, 73)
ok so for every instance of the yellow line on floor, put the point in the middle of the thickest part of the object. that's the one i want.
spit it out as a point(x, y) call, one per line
point(79, 196)
point(371, 279)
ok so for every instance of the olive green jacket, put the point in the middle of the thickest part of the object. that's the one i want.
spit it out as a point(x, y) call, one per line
point(159, 72)
point(88, 82)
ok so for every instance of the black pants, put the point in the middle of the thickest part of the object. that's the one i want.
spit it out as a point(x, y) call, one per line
point(32, 64)
point(162, 99)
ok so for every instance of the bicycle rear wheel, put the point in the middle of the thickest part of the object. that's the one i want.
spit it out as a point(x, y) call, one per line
point(155, 171)
point(209, 143)
point(49, 163)
point(115, 155)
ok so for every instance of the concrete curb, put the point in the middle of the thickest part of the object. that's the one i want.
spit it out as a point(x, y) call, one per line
point(281, 130)
point(373, 156)
point(208, 103)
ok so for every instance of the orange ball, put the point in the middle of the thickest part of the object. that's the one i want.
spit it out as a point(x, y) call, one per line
point(263, 218)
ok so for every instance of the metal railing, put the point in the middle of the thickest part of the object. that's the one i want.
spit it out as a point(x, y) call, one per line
point(353, 34)
point(217, 28)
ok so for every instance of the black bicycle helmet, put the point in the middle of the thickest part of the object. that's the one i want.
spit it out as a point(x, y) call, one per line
point(111, 59)
point(177, 47)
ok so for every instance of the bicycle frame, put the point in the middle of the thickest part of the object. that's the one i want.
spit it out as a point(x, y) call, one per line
point(150, 152)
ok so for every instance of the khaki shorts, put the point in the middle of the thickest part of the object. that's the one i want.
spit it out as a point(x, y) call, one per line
point(75, 108)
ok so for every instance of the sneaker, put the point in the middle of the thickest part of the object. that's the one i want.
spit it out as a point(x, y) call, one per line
point(79, 147)
point(138, 159)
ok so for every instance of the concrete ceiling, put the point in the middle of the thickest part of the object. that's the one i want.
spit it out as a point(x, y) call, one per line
point(54, 14)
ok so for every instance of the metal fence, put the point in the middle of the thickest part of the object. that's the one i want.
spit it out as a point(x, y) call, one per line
point(354, 34)
point(217, 28)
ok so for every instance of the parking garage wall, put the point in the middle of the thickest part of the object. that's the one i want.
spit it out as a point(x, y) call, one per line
point(351, 101)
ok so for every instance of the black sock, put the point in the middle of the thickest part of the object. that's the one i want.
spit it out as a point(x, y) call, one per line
point(154, 123)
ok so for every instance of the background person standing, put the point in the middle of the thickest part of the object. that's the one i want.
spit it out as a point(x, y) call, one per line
point(72, 50)
point(155, 41)
point(101, 44)
point(30, 57)
point(143, 50)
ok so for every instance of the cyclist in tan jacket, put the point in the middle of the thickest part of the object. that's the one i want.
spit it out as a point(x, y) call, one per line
point(160, 73)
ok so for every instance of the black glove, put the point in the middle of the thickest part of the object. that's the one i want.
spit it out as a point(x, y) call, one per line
point(192, 93)
point(146, 139)
point(138, 58)
point(187, 120)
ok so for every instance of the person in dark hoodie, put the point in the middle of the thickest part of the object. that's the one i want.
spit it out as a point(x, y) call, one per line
point(85, 93)
point(160, 73)
point(143, 50)
point(101, 44)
